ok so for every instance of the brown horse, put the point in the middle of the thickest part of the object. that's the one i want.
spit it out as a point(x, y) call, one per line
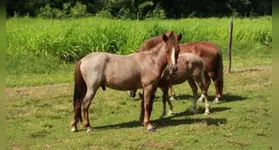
point(142, 69)
point(212, 58)
point(189, 66)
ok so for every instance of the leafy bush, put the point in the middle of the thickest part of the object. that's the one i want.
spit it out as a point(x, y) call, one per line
point(79, 10)
point(104, 13)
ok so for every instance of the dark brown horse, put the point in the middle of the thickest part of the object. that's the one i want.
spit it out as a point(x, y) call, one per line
point(142, 69)
point(212, 58)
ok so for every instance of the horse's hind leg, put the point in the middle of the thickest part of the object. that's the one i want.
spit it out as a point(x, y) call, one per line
point(201, 83)
point(207, 80)
point(218, 87)
point(207, 84)
point(86, 103)
point(77, 115)
point(193, 86)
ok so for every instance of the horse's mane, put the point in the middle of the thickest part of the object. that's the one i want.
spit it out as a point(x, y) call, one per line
point(152, 42)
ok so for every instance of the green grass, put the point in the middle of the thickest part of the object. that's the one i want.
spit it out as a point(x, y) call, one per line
point(39, 118)
point(39, 87)
point(33, 43)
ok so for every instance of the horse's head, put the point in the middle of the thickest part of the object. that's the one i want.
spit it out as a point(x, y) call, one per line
point(172, 50)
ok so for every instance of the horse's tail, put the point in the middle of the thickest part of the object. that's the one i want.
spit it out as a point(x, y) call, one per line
point(79, 90)
point(219, 71)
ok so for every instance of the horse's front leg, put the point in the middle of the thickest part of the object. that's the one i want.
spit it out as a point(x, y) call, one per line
point(164, 100)
point(142, 107)
point(172, 93)
point(148, 93)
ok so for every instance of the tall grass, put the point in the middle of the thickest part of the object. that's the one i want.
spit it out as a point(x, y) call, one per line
point(71, 39)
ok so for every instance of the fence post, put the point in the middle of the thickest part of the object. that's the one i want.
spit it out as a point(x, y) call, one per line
point(230, 46)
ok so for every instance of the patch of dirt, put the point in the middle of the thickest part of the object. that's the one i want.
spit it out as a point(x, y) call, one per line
point(39, 92)
point(254, 69)
point(15, 148)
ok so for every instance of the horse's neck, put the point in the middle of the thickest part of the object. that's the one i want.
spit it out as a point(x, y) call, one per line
point(160, 57)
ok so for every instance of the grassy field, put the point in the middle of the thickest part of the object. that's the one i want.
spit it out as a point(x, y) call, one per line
point(40, 55)
point(39, 118)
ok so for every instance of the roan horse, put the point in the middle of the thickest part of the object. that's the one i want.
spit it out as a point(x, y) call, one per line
point(141, 69)
point(189, 66)
point(212, 58)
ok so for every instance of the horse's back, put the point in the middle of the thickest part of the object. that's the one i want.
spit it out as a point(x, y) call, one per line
point(208, 51)
point(191, 63)
point(200, 48)
point(115, 71)
point(191, 57)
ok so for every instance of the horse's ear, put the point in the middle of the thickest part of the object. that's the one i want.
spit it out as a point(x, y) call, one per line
point(165, 38)
point(179, 37)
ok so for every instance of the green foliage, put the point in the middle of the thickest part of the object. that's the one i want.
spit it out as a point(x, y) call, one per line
point(45, 12)
point(104, 13)
point(59, 41)
point(138, 9)
point(78, 10)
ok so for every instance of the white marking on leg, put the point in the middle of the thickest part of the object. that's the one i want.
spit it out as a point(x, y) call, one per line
point(206, 106)
point(170, 112)
point(172, 98)
point(216, 100)
point(173, 56)
point(74, 129)
point(89, 129)
point(201, 98)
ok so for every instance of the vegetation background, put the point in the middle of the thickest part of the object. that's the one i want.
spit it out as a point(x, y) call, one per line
point(44, 38)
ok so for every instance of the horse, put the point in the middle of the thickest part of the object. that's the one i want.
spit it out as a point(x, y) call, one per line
point(141, 69)
point(212, 58)
point(189, 66)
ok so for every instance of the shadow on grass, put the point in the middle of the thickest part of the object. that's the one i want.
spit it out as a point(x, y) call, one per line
point(227, 97)
point(175, 122)
point(231, 98)
point(170, 121)
point(200, 111)
point(183, 97)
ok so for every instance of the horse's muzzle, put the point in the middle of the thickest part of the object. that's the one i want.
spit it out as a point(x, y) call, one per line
point(173, 68)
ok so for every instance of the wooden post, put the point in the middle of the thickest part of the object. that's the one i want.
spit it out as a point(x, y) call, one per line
point(230, 46)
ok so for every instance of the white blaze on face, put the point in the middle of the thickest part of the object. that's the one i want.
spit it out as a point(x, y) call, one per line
point(173, 56)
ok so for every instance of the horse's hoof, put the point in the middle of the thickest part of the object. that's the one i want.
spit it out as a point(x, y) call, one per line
point(206, 113)
point(151, 129)
point(89, 129)
point(74, 129)
point(171, 113)
point(216, 101)
point(172, 98)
